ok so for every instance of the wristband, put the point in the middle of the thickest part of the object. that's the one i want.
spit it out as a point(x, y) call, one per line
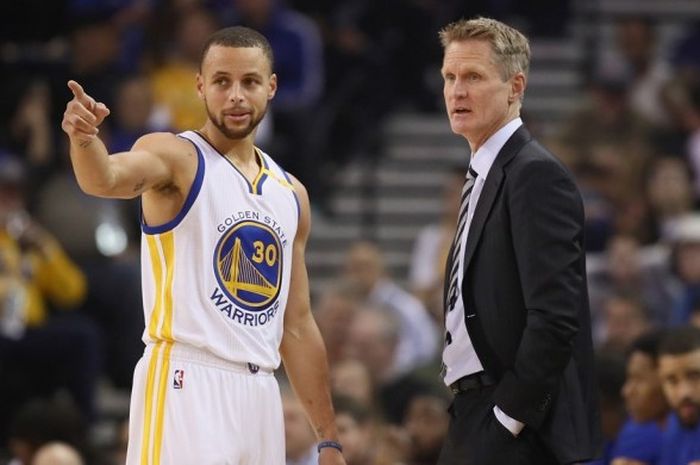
point(332, 444)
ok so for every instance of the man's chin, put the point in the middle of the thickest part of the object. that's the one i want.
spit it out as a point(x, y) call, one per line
point(689, 421)
point(237, 134)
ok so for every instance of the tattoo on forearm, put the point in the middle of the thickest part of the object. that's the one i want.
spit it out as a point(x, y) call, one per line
point(140, 185)
point(85, 143)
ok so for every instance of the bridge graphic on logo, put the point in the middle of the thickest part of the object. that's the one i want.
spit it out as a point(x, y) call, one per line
point(239, 273)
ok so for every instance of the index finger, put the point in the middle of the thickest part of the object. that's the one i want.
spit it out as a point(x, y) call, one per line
point(77, 89)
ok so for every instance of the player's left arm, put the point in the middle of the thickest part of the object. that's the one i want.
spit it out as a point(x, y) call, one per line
point(303, 351)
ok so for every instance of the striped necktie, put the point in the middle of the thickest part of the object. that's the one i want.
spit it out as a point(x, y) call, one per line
point(457, 248)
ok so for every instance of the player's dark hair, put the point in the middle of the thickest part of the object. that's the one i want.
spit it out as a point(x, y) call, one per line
point(239, 37)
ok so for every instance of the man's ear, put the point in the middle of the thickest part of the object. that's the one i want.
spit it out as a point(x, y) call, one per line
point(273, 86)
point(517, 87)
point(200, 86)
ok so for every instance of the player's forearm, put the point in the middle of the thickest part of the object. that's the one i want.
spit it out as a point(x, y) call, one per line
point(90, 161)
point(305, 362)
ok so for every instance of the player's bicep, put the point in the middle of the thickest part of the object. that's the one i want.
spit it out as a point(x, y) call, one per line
point(136, 172)
point(146, 165)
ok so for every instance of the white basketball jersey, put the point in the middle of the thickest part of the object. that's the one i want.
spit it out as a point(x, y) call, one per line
point(217, 276)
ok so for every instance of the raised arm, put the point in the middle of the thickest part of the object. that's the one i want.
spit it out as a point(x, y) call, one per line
point(122, 175)
point(303, 351)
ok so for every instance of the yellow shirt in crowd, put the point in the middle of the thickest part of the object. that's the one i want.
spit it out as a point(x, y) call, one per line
point(45, 275)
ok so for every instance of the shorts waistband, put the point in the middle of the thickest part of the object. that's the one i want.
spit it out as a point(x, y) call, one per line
point(203, 357)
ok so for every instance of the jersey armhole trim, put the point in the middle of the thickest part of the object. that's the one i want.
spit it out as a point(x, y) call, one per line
point(294, 192)
point(191, 197)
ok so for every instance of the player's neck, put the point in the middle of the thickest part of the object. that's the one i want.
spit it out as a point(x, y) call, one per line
point(239, 151)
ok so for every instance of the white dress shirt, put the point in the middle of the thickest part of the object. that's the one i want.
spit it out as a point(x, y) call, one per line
point(459, 357)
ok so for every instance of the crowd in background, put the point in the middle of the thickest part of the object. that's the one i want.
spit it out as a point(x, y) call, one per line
point(70, 312)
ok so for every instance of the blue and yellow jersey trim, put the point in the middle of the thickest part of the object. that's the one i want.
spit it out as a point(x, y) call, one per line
point(189, 201)
point(161, 249)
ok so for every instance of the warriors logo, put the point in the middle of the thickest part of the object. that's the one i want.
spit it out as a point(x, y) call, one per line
point(248, 265)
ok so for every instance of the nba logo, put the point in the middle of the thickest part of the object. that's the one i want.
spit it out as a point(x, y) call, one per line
point(178, 379)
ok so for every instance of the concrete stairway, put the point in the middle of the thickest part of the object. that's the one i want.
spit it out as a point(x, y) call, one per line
point(390, 197)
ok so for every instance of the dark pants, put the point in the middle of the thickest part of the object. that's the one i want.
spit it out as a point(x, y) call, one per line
point(476, 437)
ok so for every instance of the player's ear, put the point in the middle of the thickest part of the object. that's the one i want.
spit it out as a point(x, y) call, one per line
point(200, 86)
point(273, 86)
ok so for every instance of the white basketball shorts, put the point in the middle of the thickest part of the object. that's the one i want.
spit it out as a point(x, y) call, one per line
point(189, 407)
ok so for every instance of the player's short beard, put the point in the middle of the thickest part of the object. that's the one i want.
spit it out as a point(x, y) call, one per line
point(235, 134)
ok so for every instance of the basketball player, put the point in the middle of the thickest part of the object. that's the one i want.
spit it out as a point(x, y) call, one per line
point(225, 286)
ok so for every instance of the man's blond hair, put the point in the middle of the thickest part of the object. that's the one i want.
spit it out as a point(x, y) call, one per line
point(510, 47)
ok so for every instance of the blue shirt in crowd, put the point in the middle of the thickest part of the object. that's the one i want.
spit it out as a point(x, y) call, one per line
point(680, 445)
point(639, 441)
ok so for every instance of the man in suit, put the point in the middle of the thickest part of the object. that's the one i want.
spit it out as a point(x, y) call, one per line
point(518, 354)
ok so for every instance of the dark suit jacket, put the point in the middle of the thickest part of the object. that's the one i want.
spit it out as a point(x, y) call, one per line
point(526, 299)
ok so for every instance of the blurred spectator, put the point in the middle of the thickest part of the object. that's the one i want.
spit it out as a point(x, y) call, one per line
point(356, 431)
point(426, 422)
point(689, 109)
point(364, 271)
point(101, 237)
point(334, 312)
point(95, 49)
point(694, 319)
point(374, 340)
point(598, 207)
point(351, 378)
point(357, 93)
point(685, 237)
point(626, 319)
point(118, 450)
point(627, 268)
point(427, 271)
point(174, 79)
point(296, 44)
point(57, 453)
point(685, 58)
point(299, 437)
point(42, 422)
point(647, 71)
point(611, 149)
point(640, 438)
point(41, 350)
point(133, 114)
point(669, 193)
point(30, 125)
point(610, 370)
point(606, 118)
point(679, 369)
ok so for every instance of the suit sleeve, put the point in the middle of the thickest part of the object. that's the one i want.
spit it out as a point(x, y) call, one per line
point(546, 216)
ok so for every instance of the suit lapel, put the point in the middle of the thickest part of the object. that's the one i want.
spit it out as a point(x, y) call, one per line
point(490, 189)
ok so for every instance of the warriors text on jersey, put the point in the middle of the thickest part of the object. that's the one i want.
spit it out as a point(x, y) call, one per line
point(217, 276)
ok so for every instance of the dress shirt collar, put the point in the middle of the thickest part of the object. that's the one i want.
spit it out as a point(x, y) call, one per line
point(484, 157)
